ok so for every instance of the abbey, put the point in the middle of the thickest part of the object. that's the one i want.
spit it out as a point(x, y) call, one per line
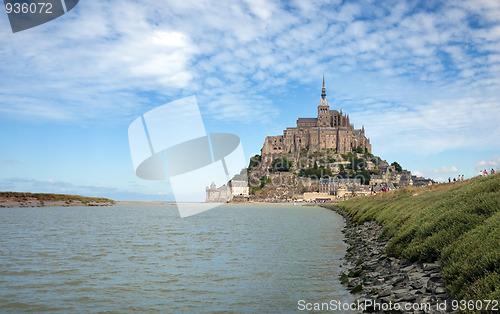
point(330, 131)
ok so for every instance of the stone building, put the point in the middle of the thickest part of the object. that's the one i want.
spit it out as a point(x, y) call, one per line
point(218, 194)
point(341, 187)
point(331, 130)
point(239, 188)
point(225, 193)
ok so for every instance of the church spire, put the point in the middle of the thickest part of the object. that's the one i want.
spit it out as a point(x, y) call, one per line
point(323, 90)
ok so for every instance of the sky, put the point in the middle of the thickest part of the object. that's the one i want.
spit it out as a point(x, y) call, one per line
point(423, 77)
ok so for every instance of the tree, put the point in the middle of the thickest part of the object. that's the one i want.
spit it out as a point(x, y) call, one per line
point(264, 180)
point(357, 163)
point(365, 176)
point(358, 150)
point(397, 166)
point(315, 172)
point(254, 162)
point(376, 160)
point(281, 164)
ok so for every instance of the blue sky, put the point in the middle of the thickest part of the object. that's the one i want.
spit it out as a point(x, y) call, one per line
point(424, 80)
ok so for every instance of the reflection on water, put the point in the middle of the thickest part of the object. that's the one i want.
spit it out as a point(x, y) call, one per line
point(245, 258)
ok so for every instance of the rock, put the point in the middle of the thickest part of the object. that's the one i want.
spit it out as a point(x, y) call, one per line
point(416, 285)
point(388, 299)
point(384, 293)
point(408, 268)
point(394, 281)
point(388, 279)
point(430, 266)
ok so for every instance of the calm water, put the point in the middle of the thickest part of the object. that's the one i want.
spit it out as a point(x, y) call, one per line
point(243, 258)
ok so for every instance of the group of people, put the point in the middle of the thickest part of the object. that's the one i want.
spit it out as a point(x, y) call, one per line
point(459, 178)
point(481, 173)
point(485, 172)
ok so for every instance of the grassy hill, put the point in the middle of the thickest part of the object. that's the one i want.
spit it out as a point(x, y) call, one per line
point(48, 197)
point(455, 223)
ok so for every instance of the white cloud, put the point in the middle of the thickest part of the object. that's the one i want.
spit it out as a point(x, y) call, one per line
point(434, 127)
point(418, 173)
point(493, 162)
point(101, 58)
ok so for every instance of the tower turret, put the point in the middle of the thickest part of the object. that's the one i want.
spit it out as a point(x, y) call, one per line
point(323, 108)
point(323, 90)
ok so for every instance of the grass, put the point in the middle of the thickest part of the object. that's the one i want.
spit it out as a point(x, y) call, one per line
point(47, 197)
point(455, 223)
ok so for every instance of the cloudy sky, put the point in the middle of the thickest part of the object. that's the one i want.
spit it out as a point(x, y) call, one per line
point(422, 77)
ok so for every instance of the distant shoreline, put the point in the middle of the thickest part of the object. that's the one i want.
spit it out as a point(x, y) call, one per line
point(143, 203)
point(31, 200)
point(23, 200)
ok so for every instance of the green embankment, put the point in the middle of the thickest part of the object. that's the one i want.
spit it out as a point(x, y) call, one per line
point(20, 196)
point(455, 223)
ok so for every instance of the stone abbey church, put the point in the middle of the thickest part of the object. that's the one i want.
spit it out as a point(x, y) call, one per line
point(330, 131)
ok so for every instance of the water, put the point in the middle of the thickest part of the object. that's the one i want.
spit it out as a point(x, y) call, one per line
point(242, 258)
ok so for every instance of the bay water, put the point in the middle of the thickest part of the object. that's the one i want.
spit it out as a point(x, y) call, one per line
point(145, 258)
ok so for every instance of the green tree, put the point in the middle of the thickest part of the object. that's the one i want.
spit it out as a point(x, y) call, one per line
point(376, 160)
point(357, 163)
point(318, 172)
point(281, 164)
point(264, 180)
point(365, 174)
point(358, 150)
point(397, 166)
point(254, 161)
point(328, 171)
point(348, 156)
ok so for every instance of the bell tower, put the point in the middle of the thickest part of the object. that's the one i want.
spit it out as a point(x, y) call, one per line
point(323, 108)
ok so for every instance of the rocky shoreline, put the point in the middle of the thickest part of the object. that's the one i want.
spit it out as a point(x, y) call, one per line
point(388, 281)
